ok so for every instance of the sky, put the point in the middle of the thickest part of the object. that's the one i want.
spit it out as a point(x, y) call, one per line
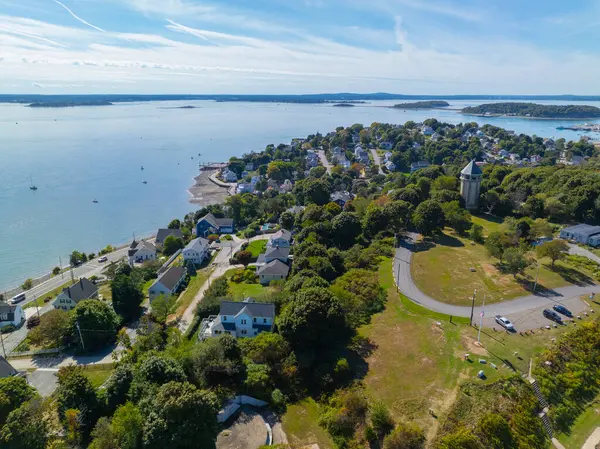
point(300, 46)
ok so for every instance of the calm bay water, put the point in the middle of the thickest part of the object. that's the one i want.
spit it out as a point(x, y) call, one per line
point(75, 155)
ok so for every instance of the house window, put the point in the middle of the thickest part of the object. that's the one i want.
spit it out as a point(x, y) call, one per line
point(244, 332)
point(217, 332)
point(243, 321)
point(224, 318)
point(255, 320)
point(264, 321)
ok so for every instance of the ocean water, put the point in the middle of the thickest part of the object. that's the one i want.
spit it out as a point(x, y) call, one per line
point(75, 155)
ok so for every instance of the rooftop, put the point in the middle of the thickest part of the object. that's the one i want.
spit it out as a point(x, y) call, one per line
point(171, 277)
point(471, 169)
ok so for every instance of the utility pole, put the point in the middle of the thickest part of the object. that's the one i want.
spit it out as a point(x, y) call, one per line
point(473, 306)
point(536, 276)
point(481, 320)
point(62, 274)
point(37, 307)
point(80, 336)
point(2, 341)
point(72, 276)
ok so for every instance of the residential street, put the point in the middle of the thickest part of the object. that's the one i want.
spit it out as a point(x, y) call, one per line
point(579, 251)
point(377, 160)
point(324, 160)
point(407, 286)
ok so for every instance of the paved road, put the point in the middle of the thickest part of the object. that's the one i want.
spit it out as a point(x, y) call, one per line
point(377, 160)
point(406, 285)
point(579, 251)
point(12, 340)
point(324, 160)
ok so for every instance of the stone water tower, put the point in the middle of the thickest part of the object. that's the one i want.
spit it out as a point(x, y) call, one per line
point(470, 183)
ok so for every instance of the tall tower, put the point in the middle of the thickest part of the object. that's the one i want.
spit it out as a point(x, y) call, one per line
point(470, 182)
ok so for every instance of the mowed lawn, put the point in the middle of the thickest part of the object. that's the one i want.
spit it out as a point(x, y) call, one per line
point(242, 290)
point(583, 427)
point(301, 425)
point(416, 362)
point(442, 268)
point(98, 374)
point(257, 247)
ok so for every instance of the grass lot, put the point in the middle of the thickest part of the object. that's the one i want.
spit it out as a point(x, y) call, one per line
point(97, 374)
point(584, 425)
point(489, 223)
point(147, 286)
point(448, 261)
point(40, 301)
point(105, 291)
point(300, 423)
point(186, 298)
point(242, 290)
point(257, 247)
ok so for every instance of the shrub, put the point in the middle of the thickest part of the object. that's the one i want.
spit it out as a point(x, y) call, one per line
point(33, 321)
point(55, 271)
point(28, 284)
point(212, 238)
point(8, 329)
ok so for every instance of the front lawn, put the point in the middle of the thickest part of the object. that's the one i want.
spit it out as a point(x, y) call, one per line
point(188, 295)
point(583, 427)
point(301, 424)
point(242, 290)
point(98, 374)
point(257, 247)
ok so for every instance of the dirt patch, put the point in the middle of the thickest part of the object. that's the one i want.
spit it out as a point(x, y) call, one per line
point(472, 347)
point(247, 431)
point(441, 407)
point(490, 270)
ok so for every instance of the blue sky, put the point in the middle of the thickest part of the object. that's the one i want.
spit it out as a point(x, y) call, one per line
point(299, 46)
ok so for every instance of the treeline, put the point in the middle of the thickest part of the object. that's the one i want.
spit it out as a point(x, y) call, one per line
point(422, 104)
point(535, 110)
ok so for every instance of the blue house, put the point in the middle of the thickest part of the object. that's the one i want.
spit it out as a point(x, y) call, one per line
point(209, 224)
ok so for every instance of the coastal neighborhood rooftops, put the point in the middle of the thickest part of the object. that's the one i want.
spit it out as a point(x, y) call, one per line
point(248, 306)
point(282, 234)
point(198, 244)
point(83, 289)
point(171, 277)
point(162, 234)
point(471, 169)
point(217, 222)
point(275, 267)
point(137, 245)
point(8, 310)
point(343, 197)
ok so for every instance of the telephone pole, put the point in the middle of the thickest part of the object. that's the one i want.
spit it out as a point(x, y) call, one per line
point(62, 273)
point(2, 341)
point(481, 320)
point(80, 336)
point(473, 306)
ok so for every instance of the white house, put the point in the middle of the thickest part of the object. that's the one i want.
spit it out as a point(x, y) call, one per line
point(281, 239)
point(167, 283)
point(287, 186)
point(387, 156)
point(70, 296)
point(11, 314)
point(196, 250)
point(244, 187)
point(240, 319)
point(427, 130)
point(390, 166)
point(229, 176)
point(273, 271)
point(141, 251)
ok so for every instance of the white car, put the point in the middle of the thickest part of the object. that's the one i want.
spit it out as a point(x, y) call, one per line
point(103, 259)
point(504, 322)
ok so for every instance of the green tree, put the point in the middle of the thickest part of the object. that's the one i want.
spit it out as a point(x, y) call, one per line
point(496, 244)
point(429, 218)
point(75, 392)
point(461, 439)
point(258, 381)
point(171, 245)
point(175, 224)
point(127, 424)
point(555, 250)
point(244, 257)
point(161, 307)
point(103, 436)
point(333, 208)
point(216, 362)
point(77, 258)
point(495, 430)
point(381, 419)
point(26, 427)
point(28, 284)
point(476, 233)
point(53, 330)
point(406, 436)
point(117, 386)
point(457, 217)
point(55, 271)
point(127, 297)
point(361, 295)
point(153, 372)
point(375, 220)
point(190, 267)
point(314, 319)
point(398, 215)
point(14, 391)
point(345, 229)
point(286, 220)
point(180, 417)
point(515, 261)
point(97, 323)
point(541, 228)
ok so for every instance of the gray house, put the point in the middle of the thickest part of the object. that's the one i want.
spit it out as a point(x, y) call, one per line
point(272, 271)
point(240, 319)
point(163, 233)
point(273, 253)
point(582, 233)
point(167, 283)
point(70, 296)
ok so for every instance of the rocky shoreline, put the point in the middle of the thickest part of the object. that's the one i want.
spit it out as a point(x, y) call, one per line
point(205, 192)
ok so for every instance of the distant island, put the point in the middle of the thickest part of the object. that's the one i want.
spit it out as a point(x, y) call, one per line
point(69, 104)
point(343, 105)
point(534, 110)
point(179, 107)
point(422, 105)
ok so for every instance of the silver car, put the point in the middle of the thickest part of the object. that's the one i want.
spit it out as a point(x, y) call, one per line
point(504, 322)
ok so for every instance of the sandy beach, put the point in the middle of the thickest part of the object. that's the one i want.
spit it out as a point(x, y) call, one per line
point(205, 192)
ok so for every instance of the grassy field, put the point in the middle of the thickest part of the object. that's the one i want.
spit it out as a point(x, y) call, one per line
point(257, 247)
point(97, 374)
point(489, 223)
point(584, 425)
point(186, 298)
point(40, 301)
point(300, 423)
point(105, 291)
point(449, 259)
point(240, 291)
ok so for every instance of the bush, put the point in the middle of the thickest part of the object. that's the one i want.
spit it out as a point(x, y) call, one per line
point(212, 238)
point(28, 284)
point(55, 271)
point(8, 329)
point(227, 237)
point(33, 321)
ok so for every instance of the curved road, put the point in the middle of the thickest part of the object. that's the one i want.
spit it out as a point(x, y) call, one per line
point(406, 285)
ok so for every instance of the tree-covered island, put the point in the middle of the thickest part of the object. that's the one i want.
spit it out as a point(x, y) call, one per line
point(534, 110)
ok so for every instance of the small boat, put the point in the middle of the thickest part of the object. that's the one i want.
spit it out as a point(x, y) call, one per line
point(94, 200)
point(31, 185)
point(142, 167)
point(144, 182)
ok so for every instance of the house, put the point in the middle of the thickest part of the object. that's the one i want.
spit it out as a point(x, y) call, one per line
point(140, 252)
point(229, 176)
point(196, 250)
point(390, 166)
point(312, 160)
point(427, 130)
point(416, 145)
point(6, 369)
point(249, 166)
point(418, 166)
point(582, 233)
point(341, 198)
point(387, 156)
point(167, 283)
point(273, 271)
point(70, 296)
point(281, 239)
point(162, 234)
point(287, 186)
point(240, 319)
point(295, 209)
point(254, 180)
point(337, 151)
point(386, 145)
point(11, 314)
point(209, 224)
point(576, 160)
point(244, 187)
point(435, 137)
point(273, 253)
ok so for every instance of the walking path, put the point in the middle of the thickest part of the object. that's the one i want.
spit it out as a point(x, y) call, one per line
point(406, 285)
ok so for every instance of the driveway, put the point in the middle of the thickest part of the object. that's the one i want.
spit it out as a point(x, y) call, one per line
point(324, 160)
point(406, 285)
point(579, 251)
point(377, 160)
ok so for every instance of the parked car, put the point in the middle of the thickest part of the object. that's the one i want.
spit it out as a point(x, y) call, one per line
point(552, 315)
point(18, 298)
point(103, 259)
point(562, 309)
point(504, 322)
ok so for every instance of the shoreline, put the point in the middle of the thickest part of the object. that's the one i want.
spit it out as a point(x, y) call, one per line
point(205, 192)
point(528, 118)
